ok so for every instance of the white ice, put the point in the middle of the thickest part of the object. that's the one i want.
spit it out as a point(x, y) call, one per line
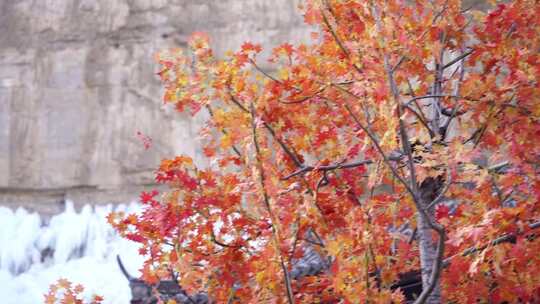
point(78, 246)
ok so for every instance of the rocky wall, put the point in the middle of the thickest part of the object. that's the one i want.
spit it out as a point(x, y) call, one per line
point(77, 81)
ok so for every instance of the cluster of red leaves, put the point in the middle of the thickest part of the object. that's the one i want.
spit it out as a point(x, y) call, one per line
point(63, 292)
point(319, 146)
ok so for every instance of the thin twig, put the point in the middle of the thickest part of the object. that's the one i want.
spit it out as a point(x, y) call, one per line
point(319, 91)
point(457, 59)
point(327, 168)
point(217, 242)
point(497, 167)
point(285, 148)
point(433, 96)
point(264, 72)
point(295, 242)
point(413, 235)
point(422, 121)
point(400, 61)
point(290, 296)
point(421, 112)
point(454, 112)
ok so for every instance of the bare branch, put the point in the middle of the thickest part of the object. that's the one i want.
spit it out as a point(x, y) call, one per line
point(453, 112)
point(497, 167)
point(400, 61)
point(421, 112)
point(264, 72)
point(433, 96)
point(285, 148)
point(217, 242)
point(327, 168)
point(421, 119)
point(457, 59)
point(237, 102)
point(413, 235)
point(295, 242)
point(262, 177)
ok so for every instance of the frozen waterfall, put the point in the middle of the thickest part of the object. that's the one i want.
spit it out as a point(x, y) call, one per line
point(80, 247)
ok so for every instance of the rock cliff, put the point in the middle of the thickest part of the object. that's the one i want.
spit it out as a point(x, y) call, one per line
point(77, 81)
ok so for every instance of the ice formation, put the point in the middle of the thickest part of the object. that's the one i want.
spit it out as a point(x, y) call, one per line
point(78, 246)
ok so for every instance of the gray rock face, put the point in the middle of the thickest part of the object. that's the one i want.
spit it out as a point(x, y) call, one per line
point(77, 81)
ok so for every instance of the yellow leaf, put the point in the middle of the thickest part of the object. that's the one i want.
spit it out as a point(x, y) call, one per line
point(379, 260)
point(226, 141)
point(334, 247)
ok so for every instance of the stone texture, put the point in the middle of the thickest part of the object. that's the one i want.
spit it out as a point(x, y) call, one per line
point(77, 81)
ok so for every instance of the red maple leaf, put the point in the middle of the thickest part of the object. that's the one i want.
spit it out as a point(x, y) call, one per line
point(442, 211)
point(148, 197)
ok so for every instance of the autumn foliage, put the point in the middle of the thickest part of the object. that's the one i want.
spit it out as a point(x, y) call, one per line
point(399, 114)
point(65, 292)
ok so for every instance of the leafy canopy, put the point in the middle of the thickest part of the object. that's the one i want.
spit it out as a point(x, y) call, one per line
point(338, 140)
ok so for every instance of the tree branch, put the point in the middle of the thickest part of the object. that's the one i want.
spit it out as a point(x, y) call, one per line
point(454, 111)
point(457, 59)
point(433, 96)
point(217, 242)
point(319, 91)
point(293, 157)
point(262, 179)
point(500, 240)
point(290, 296)
point(436, 267)
point(439, 197)
point(283, 145)
point(327, 168)
point(263, 72)
point(421, 112)
point(422, 121)
point(235, 149)
point(379, 149)
point(334, 34)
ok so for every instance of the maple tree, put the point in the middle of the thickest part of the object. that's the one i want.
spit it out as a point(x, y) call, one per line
point(420, 114)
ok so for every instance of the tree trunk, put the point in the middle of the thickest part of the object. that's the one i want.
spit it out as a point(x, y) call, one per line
point(427, 245)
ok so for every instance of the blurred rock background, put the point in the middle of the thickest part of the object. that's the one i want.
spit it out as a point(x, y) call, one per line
point(77, 81)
